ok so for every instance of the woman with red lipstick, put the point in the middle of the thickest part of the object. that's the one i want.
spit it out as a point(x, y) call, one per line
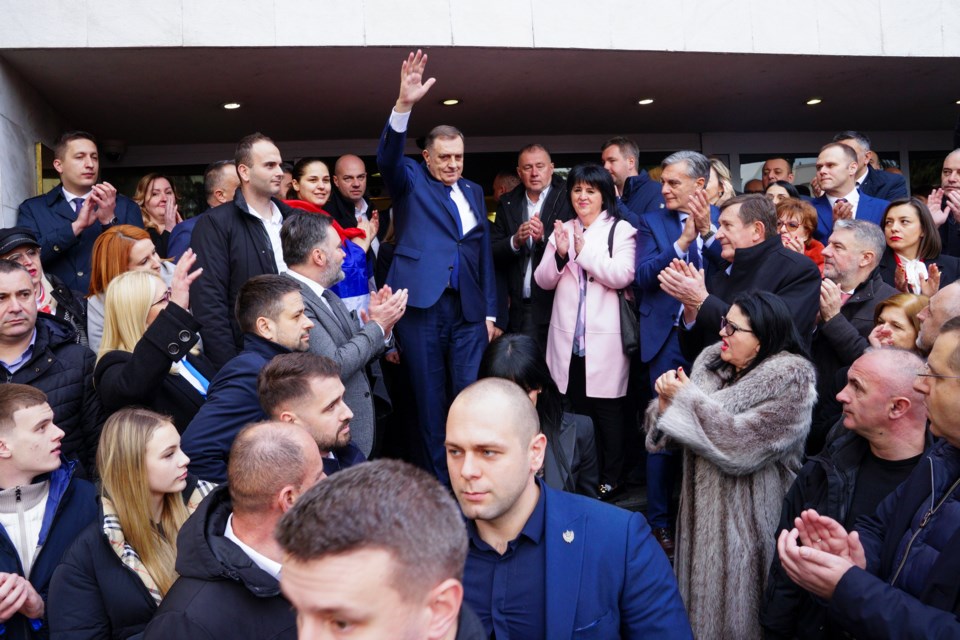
point(586, 261)
point(311, 183)
point(741, 417)
point(912, 262)
point(158, 202)
point(114, 576)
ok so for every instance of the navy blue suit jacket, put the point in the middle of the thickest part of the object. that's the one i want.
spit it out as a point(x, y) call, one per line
point(429, 240)
point(606, 576)
point(232, 403)
point(883, 185)
point(63, 254)
point(640, 195)
point(869, 209)
point(656, 234)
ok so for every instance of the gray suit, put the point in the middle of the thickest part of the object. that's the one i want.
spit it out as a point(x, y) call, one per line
point(354, 353)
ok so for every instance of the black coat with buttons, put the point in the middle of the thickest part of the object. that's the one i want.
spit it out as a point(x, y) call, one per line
point(143, 378)
point(63, 370)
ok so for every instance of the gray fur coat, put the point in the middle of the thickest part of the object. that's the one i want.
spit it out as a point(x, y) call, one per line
point(742, 446)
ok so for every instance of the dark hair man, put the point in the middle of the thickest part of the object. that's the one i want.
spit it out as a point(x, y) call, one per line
point(776, 169)
point(314, 255)
point(379, 550)
point(43, 508)
point(557, 548)
point(227, 557)
point(895, 574)
point(220, 182)
point(270, 313)
point(836, 170)
point(68, 219)
point(442, 258)
point(872, 182)
point(305, 389)
point(638, 192)
point(518, 240)
point(236, 241)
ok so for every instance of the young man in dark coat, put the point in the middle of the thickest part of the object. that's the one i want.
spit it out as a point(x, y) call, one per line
point(43, 508)
point(271, 314)
point(895, 575)
point(39, 350)
point(227, 556)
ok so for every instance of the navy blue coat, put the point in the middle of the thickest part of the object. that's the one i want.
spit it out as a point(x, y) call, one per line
point(346, 457)
point(883, 185)
point(71, 507)
point(924, 599)
point(63, 254)
point(429, 240)
point(606, 576)
point(63, 370)
point(641, 194)
point(232, 403)
point(656, 234)
point(869, 209)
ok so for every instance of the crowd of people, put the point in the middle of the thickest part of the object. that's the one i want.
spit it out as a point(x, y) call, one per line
point(296, 415)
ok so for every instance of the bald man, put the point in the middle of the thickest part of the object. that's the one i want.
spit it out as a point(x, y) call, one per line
point(573, 562)
point(227, 556)
point(943, 305)
point(885, 438)
point(348, 202)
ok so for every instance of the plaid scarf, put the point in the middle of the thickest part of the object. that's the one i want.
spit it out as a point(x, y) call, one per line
point(127, 554)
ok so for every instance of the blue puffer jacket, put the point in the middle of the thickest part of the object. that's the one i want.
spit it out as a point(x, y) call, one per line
point(912, 545)
point(71, 507)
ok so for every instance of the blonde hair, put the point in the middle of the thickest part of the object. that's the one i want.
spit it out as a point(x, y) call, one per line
point(128, 300)
point(121, 461)
point(142, 193)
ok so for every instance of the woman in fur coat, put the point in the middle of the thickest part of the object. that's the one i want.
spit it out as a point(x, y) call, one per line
point(741, 417)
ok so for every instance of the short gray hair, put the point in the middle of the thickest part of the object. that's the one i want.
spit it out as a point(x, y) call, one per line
point(867, 235)
point(301, 233)
point(698, 165)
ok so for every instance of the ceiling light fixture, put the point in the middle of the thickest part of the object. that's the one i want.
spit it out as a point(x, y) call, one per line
point(958, 101)
point(813, 101)
point(646, 101)
point(230, 106)
point(449, 102)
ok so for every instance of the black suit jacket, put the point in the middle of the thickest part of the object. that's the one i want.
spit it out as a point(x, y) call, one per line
point(510, 266)
point(949, 268)
point(883, 185)
point(143, 378)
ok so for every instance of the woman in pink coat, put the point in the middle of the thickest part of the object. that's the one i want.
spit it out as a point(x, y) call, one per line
point(584, 348)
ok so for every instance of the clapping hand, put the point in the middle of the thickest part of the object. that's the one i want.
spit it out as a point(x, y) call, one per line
point(561, 239)
point(842, 211)
point(183, 278)
point(104, 195)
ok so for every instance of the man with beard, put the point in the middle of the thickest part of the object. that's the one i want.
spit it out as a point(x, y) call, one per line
point(312, 250)
point(305, 389)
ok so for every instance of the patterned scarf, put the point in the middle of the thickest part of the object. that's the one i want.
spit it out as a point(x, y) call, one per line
point(127, 554)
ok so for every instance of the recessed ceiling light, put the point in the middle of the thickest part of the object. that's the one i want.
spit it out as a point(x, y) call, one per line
point(449, 102)
point(646, 101)
point(958, 101)
point(813, 101)
point(230, 106)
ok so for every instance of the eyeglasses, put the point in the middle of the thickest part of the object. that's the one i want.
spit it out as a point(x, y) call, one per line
point(164, 298)
point(728, 328)
point(789, 224)
point(926, 374)
point(30, 253)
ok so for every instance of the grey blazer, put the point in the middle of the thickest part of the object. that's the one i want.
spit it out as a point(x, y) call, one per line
point(355, 354)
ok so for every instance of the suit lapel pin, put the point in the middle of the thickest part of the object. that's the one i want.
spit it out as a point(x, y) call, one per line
point(568, 536)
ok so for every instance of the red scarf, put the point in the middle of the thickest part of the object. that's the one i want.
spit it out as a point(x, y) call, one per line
point(345, 234)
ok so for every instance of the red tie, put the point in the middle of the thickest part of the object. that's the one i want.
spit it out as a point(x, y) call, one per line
point(844, 297)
